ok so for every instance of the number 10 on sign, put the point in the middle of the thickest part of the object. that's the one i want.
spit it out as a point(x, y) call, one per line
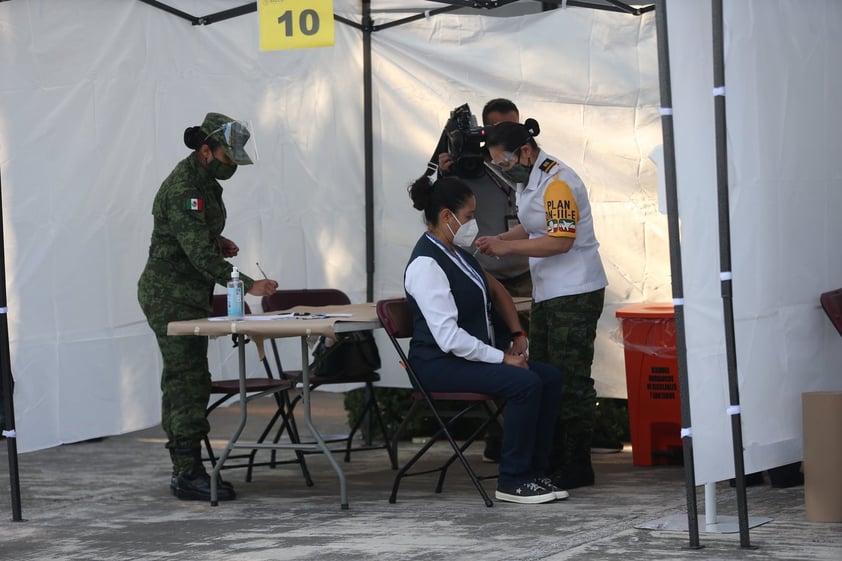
point(295, 24)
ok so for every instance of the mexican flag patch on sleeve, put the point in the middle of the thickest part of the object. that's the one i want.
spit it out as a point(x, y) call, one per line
point(195, 204)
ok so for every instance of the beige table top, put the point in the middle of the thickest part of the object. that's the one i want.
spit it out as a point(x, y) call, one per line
point(363, 316)
point(523, 303)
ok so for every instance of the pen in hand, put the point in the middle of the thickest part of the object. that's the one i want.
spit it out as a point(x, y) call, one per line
point(259, 268)
point(273, 286)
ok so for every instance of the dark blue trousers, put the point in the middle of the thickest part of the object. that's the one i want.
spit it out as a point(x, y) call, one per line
point(530, 410)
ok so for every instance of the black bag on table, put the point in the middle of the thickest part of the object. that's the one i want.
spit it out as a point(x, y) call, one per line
point(352, 354)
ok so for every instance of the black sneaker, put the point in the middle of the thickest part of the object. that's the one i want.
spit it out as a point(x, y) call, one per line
point(525, 493)
point(196, 486)
point(546, 482)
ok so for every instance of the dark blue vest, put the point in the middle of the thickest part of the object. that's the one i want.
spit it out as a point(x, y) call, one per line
point(470, 302)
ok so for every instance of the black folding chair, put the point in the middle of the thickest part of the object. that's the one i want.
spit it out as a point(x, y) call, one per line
point(256, 387)
point(286, 299)
point(396, 317)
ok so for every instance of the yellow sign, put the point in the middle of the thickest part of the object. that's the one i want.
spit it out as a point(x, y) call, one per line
point(295, 24)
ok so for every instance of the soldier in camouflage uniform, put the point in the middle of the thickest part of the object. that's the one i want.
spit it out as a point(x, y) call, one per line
point(556, 232)
point(186, 258)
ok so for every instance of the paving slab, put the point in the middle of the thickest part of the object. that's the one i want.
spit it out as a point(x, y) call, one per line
point(110, 500)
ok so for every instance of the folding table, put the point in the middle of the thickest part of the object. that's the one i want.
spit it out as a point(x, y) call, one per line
point(321, 320)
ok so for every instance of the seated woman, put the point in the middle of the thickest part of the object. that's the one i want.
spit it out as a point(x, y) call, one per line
point(453, 347)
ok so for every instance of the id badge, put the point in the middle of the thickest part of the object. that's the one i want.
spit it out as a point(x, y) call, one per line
point(511, 221)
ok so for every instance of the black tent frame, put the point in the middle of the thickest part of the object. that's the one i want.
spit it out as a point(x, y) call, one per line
point(725, 265)
point(6, 380)
point(368, 27)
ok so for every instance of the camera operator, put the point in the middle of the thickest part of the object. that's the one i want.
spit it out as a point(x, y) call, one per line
point(459, 154)
point(496, 207)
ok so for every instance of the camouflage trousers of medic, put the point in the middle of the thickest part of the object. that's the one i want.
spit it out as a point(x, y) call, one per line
point(185, 381)
point(562, 332)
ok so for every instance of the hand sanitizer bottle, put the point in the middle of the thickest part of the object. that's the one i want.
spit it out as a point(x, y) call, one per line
point(235, 295)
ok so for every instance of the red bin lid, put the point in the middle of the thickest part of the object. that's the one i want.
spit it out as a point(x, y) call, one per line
point(655, 310)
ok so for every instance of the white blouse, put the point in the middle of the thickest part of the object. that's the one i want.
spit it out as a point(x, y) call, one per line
point(427, 283)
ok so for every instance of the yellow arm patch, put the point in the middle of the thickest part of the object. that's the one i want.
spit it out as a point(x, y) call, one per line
point(562, 212)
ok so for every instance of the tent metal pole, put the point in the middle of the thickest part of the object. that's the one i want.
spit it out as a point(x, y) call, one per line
point(676, 267)
point(725, 275)
point(227, 14)
point(208, 19)
point(6, 381)
point(169, 9)
point(368, 143)
point(416, 17)
point(615, 6)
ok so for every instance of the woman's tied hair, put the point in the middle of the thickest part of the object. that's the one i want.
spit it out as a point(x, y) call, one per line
point(511, 136)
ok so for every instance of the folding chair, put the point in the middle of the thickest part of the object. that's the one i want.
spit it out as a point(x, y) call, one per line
point(256, 387)
point(832, 304)
point(396, 317)
point(286, 299)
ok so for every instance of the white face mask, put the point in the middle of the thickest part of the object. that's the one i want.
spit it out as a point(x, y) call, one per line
point(466, 233)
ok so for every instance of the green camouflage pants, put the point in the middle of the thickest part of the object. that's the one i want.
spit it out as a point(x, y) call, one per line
point(185, 381)
point(562, 332)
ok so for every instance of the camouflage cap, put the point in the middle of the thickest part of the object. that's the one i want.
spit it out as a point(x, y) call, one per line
point(232, 135)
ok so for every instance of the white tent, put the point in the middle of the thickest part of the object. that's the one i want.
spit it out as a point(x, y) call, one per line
point(92, 111)
point(91, 115)
point(783, 135)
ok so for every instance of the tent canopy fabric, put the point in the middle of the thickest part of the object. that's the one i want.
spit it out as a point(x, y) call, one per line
point(108, 115)
point(88, 133)
point(494, 7)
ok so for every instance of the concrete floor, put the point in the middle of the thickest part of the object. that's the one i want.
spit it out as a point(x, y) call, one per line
point(110, 500)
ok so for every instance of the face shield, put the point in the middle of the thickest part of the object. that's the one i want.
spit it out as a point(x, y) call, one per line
point(236, 134)
point(232, 136)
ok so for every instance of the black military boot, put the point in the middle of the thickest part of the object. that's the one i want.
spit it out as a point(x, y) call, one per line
point(574, 476)
point(197, 460)
point(195, 483)
point(577, 470)
point(558, 456)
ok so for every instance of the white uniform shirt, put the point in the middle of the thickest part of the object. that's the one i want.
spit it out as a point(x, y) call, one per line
point(554, 202)
point(427, 283)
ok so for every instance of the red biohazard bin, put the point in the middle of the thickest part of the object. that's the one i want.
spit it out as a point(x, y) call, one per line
point(652, 383)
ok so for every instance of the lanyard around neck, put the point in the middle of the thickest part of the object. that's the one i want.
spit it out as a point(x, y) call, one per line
point(460, 261)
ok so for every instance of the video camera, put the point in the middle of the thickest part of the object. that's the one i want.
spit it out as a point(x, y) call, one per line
point(464, 138)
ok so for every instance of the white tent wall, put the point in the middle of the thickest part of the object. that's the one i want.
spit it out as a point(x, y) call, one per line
point(589, 78)
point(95, 96)
point(94, 100)
point(783, 83)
